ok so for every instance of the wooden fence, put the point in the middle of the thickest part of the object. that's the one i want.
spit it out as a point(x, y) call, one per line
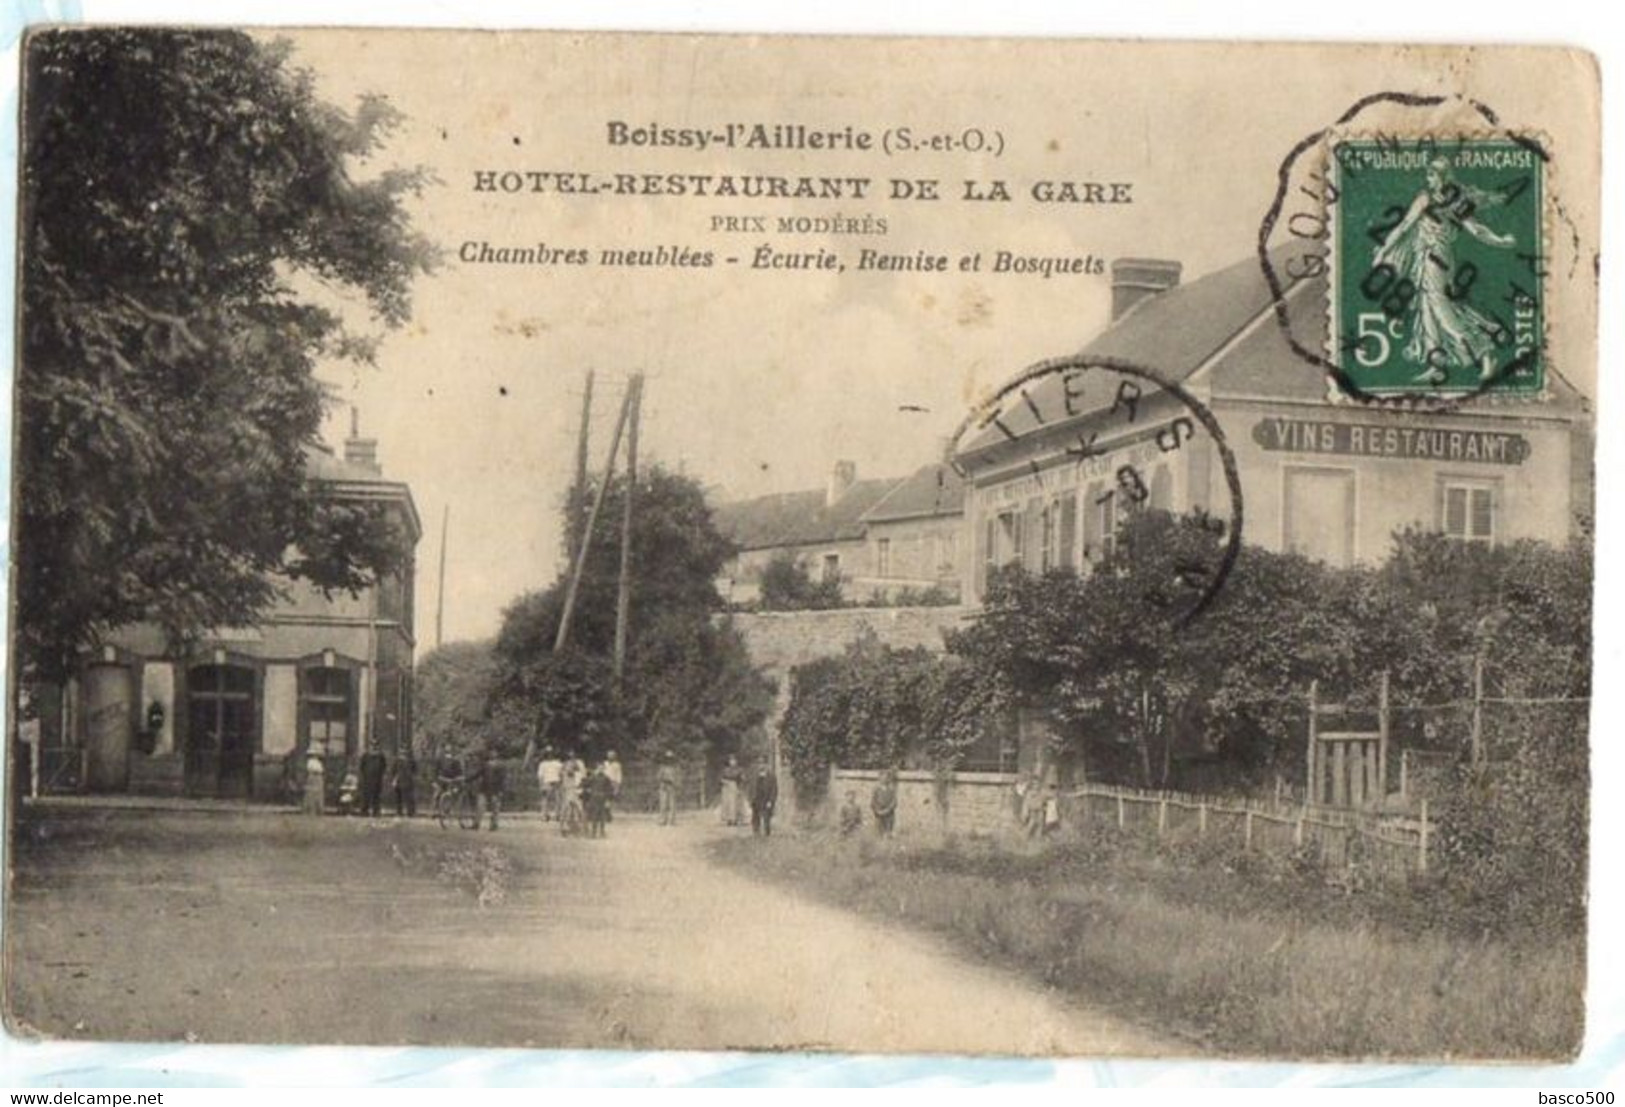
point(1390, 846)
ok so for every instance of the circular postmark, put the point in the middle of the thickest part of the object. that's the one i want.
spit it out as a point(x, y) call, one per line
point(1424, 222)
point(1069, 418)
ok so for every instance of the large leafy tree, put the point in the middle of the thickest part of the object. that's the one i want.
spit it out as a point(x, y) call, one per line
point(689, 683)
point(185, 195)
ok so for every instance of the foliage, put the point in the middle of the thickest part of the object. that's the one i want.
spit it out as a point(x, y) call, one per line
point(177, 185)
point(787, 585)
point(877, 706)
point(689, 681)
point(452, 699)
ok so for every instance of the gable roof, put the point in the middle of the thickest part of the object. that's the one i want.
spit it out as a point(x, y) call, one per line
point(799, 518)
point(932, 490)
point(1226, 322)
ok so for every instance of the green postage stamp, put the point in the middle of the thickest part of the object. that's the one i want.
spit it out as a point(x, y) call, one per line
point(1438, 264)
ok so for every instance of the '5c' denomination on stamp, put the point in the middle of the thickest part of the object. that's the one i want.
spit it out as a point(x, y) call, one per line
point(1437, 264)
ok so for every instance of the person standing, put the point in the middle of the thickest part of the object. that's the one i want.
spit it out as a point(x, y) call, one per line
point(315, 782)
point(884, 803)
point(597, 790)
point(666, 782)
point(612, 770)
point(851, 815)
point(372, 780)
point(404, 781)
point(550, 775)
point(733, 780)
point(489, 780)
point(764, 797)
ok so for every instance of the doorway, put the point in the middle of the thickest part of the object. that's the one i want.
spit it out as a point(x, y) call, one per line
point(221, 732)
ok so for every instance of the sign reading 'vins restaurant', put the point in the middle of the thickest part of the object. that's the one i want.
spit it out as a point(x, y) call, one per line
point(1369, 440)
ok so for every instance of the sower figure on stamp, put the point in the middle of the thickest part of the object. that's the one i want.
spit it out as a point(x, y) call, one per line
point(1445, 330)
point(764, 797)
point(372, 780)
point(666, 781)
point(884, 803)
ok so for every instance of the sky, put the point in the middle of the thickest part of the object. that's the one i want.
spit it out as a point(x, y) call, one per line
point(759, 380)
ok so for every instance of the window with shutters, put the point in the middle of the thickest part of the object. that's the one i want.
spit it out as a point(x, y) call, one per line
point(1010, 543)
point(883, 557)
point(1467, 510)
point(832, 568)
point(1046, 538)
point(1105, 509)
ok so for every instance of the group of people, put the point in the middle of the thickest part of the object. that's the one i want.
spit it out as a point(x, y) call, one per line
point(361, 790)
point(760, 791)
point(882, 805)
point(577, 794)
point(486, 778)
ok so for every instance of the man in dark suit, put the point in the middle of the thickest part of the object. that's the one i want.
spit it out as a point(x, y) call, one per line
point(372, 781)
point(764, 796)
point(489, 779)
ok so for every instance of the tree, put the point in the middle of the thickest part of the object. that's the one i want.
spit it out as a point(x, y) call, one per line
point(876, 706)
point(452, 697)
point(689, 681)
point(787, 586)
point(179, 188)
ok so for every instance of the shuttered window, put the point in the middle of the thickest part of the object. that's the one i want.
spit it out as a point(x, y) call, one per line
point(1468, 511)
point(1068, 510)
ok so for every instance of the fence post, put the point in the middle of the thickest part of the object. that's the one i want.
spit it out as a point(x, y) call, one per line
point(1201, 820)
point(1120, 823)
point(1309, 795)
point(1478, 710)
point(1297, 830)
point(1404, 776)
point(1162, 815)
point(1422, 841)
point(1382, 742)
point(1247, 829)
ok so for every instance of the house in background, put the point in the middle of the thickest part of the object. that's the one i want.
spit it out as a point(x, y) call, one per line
point(875, 537)
point(323, 672)
point(1319, 475)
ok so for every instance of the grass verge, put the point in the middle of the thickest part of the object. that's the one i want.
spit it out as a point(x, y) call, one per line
point(1237, 961)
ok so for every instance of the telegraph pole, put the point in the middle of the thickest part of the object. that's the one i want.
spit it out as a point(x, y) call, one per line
point(592, 521)
point(573, 535)
point(623, 598)
point(440, 593)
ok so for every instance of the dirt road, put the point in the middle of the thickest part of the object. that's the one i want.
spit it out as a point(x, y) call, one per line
point(256, 927)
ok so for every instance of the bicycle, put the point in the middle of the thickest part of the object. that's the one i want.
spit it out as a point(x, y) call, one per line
point(454, 802)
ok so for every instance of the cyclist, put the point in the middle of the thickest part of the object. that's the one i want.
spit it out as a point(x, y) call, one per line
point(448, 775)
point(571, 813)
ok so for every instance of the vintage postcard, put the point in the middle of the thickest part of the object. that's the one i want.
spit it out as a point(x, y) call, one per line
point(706, 542)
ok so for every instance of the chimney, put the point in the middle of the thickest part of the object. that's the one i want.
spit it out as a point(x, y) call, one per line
point(1136, 279)
point(358, 451)
point(841, 480)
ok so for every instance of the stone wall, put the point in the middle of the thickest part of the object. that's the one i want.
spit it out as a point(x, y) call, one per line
point(780, 640)
point(963, 803)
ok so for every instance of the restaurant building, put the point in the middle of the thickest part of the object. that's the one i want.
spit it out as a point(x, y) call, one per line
point(1319, 474)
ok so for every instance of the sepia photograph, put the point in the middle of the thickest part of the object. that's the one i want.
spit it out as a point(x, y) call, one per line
point(995, 547)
